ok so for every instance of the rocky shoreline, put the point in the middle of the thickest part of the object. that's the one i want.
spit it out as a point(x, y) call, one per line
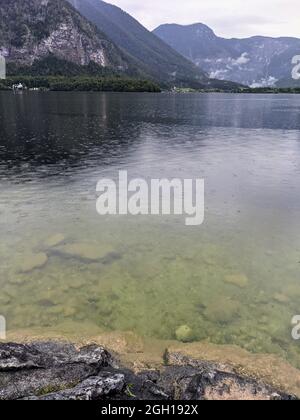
point(55, 370)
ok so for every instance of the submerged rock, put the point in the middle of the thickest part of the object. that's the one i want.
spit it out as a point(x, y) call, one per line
point(32, 262)
point(53, 297)
point(69, 311)
point(281, 298)
point(54, 240)
point(184, 334)
point(77, 283)
point(292, 291)
point(46, 303)
point(4, 299)
point(223, 310)
point(239, 280)
point(59, 371)
point(86, 251)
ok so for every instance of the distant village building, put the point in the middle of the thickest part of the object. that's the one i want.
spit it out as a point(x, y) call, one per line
point(18, 87)
point(2, 67)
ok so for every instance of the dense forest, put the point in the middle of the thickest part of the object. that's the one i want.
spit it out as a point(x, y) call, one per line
point(86, 84)
point(263, 90)
point(272, 90)
point(116, 84)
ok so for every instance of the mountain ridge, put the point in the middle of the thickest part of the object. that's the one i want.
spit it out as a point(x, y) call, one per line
point(156, 59)
point(137, 41)
point(52, 37)
point(31, 31)
point(255, 61)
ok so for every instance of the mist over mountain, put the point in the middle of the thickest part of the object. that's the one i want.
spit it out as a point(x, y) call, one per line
point(256, 61)
point(150, 54)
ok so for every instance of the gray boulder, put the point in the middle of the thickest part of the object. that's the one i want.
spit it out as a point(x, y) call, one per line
point(60, 371)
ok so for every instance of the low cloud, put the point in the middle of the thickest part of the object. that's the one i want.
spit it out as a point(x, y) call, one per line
point(237, 19)
point(243, 59)
point(270, 81)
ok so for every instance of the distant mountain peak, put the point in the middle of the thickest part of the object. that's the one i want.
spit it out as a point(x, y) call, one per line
point(72, 37)
point(195, 29)
point(201, 28)
point(257, 61)
point(193, 26)
point(155, 57)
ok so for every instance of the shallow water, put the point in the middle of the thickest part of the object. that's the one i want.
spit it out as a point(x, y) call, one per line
point(233, 280)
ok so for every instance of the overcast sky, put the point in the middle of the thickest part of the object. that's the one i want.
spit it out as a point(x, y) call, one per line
point(228, 18)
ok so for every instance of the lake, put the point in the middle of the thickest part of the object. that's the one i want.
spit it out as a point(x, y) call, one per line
point(233, 280)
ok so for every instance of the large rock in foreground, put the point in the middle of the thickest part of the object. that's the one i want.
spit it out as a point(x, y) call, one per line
point(40, 368)
point(60, 371)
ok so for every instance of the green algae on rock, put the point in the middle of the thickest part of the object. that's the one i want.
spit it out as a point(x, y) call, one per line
point(32, 262)
point(151, 291)
point(86, 251)
point(54, 240)
point(222, 310)
point(281, 298)
point(184, 333)
point(239, 280)
point(4, 299)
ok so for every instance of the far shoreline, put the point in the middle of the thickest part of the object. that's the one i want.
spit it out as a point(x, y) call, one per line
point(119, 85)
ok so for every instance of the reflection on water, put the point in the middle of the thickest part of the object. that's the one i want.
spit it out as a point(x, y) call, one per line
point(233, 280)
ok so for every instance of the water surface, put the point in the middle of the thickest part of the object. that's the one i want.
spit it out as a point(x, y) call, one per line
point(234, 280)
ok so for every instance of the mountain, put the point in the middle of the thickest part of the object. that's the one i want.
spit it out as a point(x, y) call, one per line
point(149, 53)
point(256, 61)
point(51, 36)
